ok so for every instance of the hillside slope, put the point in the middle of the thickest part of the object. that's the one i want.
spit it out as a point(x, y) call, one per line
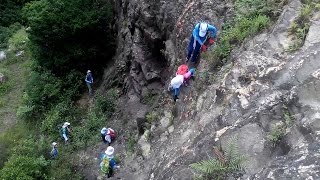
point(263, 88)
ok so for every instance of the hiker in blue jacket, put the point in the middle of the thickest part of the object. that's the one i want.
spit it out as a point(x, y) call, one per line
point(89, 81)
point(199, 35)
point(54, 151)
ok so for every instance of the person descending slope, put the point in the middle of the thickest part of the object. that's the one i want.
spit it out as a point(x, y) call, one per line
point(89, 82)
point(65, 132)
point(108, 163)
point(54, 151)
point(175, 84)
point(198, 37)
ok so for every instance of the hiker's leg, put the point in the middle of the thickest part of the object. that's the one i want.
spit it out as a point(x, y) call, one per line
point(90, 88)
point(190, 47)
point(176, 92)
point(110, 173)
point(103, 138)
point(196, 52)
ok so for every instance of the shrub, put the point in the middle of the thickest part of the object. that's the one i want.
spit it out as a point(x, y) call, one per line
point(9, 139)
point(70, 34)
point(251, 16)
point(18, 40)
point(243, 28)
point(152, 117)
point(105, 105)
point(26, 160)
point(228, 161)
point(299, 28)
point(57, 115)
point(24, 167)
point(276, 134)
point(6, 33)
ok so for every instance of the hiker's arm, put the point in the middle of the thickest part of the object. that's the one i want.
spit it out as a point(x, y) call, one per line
point(212, 30)
point(87, 79)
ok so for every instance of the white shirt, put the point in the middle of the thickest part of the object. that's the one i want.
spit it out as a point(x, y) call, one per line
point(177, 81)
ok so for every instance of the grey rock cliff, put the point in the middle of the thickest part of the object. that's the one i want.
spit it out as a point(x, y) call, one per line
point(249, 95)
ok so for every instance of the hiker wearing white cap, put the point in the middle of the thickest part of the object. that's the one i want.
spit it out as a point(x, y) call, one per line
point(199, 35)
point(108, 163)
point(54, 151)
point(65, 131)
point(175, 84)
point(107, 135)
point(89, 81)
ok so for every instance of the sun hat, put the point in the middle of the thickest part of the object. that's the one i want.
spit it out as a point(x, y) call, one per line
point(109, 152)
point(66, 124)
point(54, 144)
point(203, 29)
point(88, 71)
point(104, 130)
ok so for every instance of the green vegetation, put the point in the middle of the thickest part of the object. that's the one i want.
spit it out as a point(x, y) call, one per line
point(131, 142)
point(65, 38)
point(276, 134)
point(70, 34)
point(278, 131)
point(152, 117)
point(226, 162)
point(251, 17)
point(299, 28)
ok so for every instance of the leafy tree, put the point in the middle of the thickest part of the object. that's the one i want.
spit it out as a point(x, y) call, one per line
point(25, 161)
point(24, 167)
point(70, 34)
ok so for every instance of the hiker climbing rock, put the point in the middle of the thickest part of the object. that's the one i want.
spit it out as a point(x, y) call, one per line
point(65, 132)
point(198, 38)
point(108, 163)
point(108, 135)
point(187, 76)
point(89, 81)
point(175, 84)
point(54, 151)
point(182, 69)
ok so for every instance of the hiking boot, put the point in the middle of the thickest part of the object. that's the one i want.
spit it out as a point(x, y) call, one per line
point(175, 98)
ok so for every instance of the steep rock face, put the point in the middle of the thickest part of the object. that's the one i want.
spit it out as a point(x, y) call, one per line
point(151, 43)
point(263, 86)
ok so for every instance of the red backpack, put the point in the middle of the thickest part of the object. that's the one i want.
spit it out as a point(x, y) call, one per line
point(111, 133)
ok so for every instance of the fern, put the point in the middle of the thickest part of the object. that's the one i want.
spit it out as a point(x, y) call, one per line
point(209, 166)
point(219, 167)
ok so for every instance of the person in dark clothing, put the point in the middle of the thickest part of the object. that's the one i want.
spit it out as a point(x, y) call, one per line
point(89, 82)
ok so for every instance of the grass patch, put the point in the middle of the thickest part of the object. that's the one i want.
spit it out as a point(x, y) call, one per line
point(251, 17)
point(299, 28)
point(15, 69)
point(278, 131)
point(131, 143)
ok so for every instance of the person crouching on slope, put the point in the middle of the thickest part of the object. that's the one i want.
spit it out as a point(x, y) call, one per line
point(175, 84)
point(198, 37)
point(108, 135)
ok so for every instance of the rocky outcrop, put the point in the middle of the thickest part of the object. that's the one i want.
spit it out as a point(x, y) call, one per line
point(264, 86)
